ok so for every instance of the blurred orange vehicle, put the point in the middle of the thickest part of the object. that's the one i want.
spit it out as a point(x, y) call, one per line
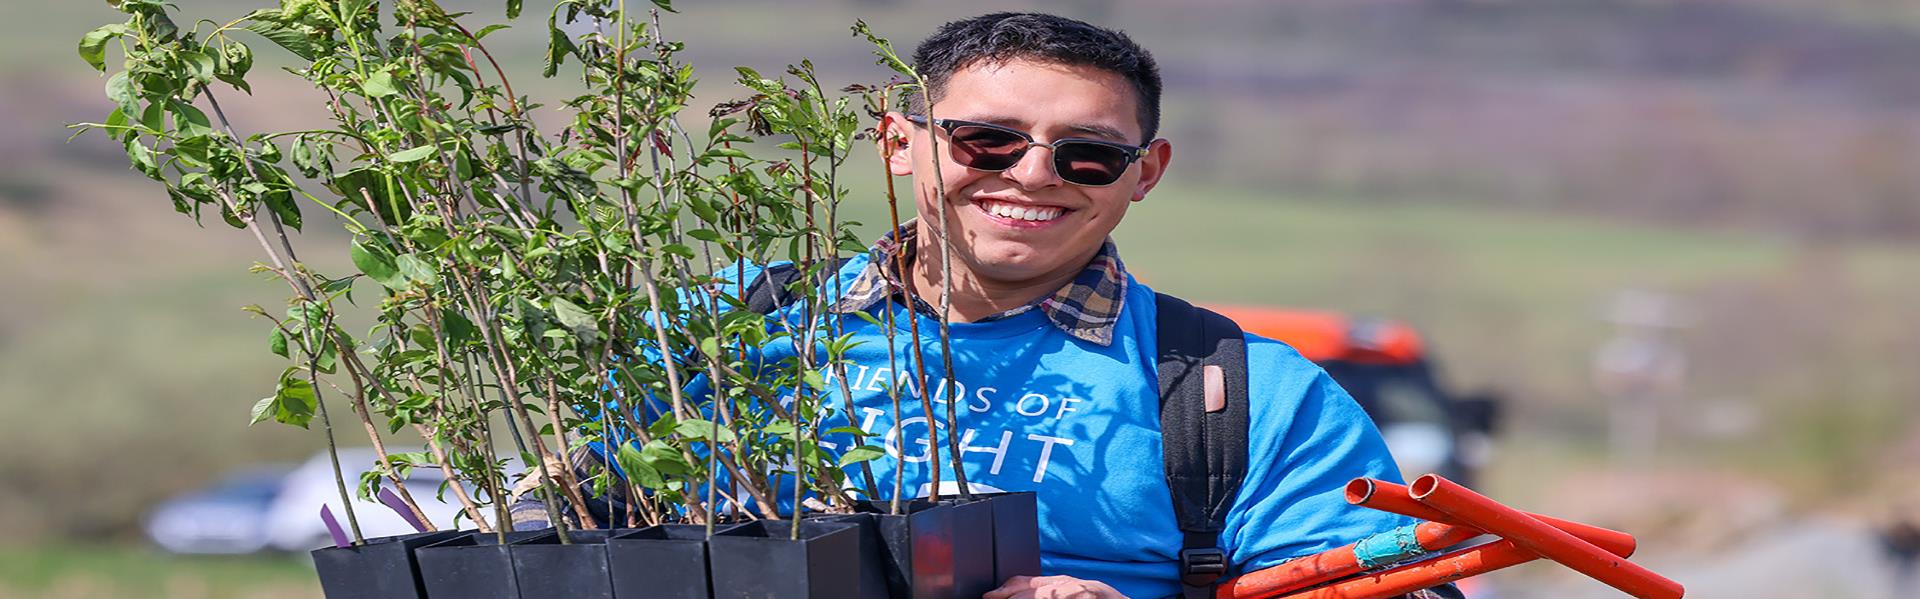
point(1384, 364)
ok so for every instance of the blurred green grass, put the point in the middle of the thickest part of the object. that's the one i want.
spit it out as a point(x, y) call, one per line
point(60, 571)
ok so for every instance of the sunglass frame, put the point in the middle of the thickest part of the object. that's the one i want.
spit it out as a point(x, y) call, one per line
point(1132, 153)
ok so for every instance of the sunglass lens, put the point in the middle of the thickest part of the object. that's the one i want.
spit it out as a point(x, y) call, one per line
point(986, 148)
point(1089, 164)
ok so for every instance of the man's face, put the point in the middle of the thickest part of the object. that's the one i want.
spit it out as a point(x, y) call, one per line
point(1055, 226)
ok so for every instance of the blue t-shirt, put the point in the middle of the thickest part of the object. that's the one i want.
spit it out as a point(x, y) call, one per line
point(1079, 424)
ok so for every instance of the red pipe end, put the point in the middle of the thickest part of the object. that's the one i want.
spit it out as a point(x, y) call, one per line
point(1424, 486)
point(1359, 490)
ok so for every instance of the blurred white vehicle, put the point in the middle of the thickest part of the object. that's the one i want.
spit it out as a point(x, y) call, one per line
point(228, 517)
point(293, 522)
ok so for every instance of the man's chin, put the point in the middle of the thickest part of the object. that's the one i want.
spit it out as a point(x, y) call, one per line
point(1013, 270)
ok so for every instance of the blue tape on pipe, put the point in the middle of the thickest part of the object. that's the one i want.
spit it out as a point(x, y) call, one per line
point(1387, 547)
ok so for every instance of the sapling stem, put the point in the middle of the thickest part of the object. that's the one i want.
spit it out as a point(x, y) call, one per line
point(897, 278)
point(946, 304)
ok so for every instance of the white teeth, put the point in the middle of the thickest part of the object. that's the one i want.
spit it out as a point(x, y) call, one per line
point(1016, 212)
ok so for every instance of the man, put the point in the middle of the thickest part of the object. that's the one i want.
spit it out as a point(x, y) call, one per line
point(1045, 129)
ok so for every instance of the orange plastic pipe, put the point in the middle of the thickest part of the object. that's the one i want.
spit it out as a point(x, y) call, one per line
point(1389, 497)
point(1327, 565)
point(1476, 510)
point(1458, 565)
point(1425, 574)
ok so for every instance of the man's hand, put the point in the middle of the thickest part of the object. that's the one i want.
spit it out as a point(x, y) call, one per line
point(1053, 587)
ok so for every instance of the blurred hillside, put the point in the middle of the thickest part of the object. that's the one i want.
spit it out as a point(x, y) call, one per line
point(1786, 115)
point(1491, 171)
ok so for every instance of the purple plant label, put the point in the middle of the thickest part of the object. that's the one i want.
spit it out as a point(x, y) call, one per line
point(394, 503)
point(333, 526)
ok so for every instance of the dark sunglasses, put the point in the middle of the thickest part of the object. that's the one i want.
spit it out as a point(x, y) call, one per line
point(993, 148)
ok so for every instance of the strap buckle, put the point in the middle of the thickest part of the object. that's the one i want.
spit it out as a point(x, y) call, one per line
point(1202, 566)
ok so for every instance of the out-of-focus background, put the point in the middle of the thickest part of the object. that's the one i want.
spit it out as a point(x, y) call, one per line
point(1676, 242)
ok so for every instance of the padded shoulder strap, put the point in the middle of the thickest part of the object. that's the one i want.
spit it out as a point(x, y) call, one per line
point(768, 291)
point(1203, 426)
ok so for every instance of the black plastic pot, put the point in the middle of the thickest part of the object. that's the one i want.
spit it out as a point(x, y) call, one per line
point(381, 568)
point(880, 578)
point(1016, 534)
point(973, 559)
point(474, 565)
point(669, 560)
point(546, 569)
point(758, 560)
point(941, 551)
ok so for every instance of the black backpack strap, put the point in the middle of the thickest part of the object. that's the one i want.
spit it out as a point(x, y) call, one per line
point(1203, 428)
point(768, 291)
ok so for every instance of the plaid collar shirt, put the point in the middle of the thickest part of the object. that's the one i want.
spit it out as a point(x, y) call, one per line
point(1087, 308)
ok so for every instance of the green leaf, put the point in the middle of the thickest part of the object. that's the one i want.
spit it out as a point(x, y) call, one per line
point(666, 5)
point(328, 358)
point(459, 330)
point(637, 469)
point(293, 401)
point(142, 157)
point(379, 85)
point(781, 428)
point(236, 60)
point(558, 46)
point(665, 458)
point(277, 343)
point(377, 264)
point(573, 316)
point(417, 270)
point(93, 45)
point(367, 183)
point(280, 200)
point(413, 154)
point(719, 126)
point(703, 210)
point(189, 120)
point(263, 409)
point(198, 65)
point(421, 335)
point(290, 37)
point(154, 117)
point(848, 430)
point(813, 379)
point(513, 11)
point(120, 90)
point(702, 430)
point(859, 454)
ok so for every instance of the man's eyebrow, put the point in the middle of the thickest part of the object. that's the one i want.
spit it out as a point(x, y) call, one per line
point(1098, 131)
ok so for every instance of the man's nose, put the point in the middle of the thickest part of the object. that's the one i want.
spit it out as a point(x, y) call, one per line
point(1035, 169)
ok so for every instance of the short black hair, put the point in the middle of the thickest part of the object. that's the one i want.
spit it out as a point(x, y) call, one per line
point(1005, 36)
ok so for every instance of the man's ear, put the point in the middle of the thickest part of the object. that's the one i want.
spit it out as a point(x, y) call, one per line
point(1153, 166)
point(896, 136)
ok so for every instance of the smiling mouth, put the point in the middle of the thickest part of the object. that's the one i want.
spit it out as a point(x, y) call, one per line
point(1021, 213)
